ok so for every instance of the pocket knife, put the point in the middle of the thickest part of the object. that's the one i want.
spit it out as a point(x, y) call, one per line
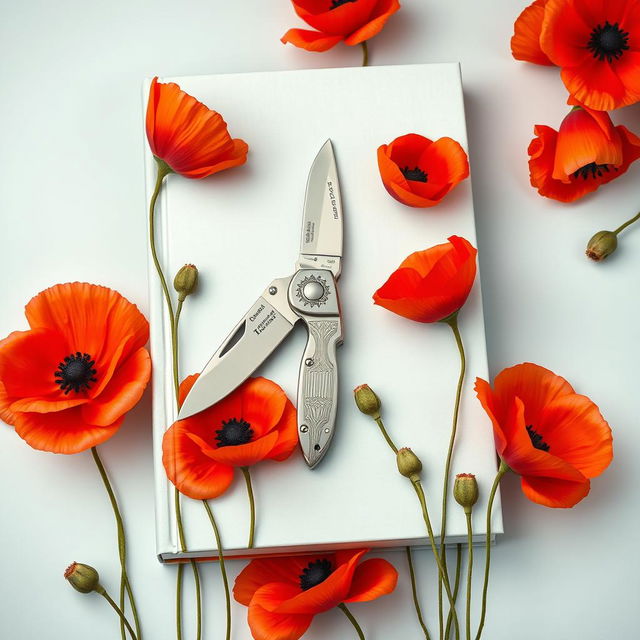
point(310, 295)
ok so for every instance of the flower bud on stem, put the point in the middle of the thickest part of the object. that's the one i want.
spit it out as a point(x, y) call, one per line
point(604, 243)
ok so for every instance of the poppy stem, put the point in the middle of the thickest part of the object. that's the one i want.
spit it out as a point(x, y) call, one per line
point(627, 223)
point(174, 349)
point(365, 54)
point(179, 601)
point(223, 570)
point(414, 591)
point(417, 485)
point(469, 572)
point(452, 321)
point(352, 620)
point(456, 588)
point(163, 171)
point(252, 505)
point(487, 563)
point(122, 546)
point(196, 575)
point(102, 591)
point(387, 437)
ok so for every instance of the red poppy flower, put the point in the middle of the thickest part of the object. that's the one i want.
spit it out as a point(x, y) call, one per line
point(255, 422)
point(353, 21)
point(547, 433)
point(188, 136)
point(587, 152)
point(525, 43)
point(419, 172)
point(66, 384)
point(431, 285)
point(597, 46)
point(284, 594)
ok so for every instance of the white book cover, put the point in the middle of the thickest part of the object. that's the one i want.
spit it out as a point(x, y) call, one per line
point(242, 229)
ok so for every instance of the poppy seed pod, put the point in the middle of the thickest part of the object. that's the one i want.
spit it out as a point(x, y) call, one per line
point(82, 577)
point(409, 464)
point(601, 245)
point(186, 281)
point(367, 401)
point(465, 490)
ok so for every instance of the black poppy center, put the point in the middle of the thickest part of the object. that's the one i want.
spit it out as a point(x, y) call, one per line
point(608, 41)
point(234, 432)
point(338, 3)
point(536, 439)
point(593, 170)
point(416, 174)
point(315, 573)
point(75, 372)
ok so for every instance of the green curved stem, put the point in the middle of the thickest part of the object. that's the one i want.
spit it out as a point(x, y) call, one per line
point(179, 577)
point(487, 563)
point(627, 223)
point(102, 591)
point(417, 485)
point(452, 321)
point(122, 545)
point(174, 350)
point(365, 54)
point(414, 591)
point(163, 171)
point(223, 570)
point(469, 572)
point(387, 437)
point(353, 621)
point(456, 588)
point(252, 505)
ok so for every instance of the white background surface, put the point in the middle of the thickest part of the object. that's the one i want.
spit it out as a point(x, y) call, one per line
point(72, 185)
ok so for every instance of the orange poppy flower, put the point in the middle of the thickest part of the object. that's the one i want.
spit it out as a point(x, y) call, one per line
point(284, 594)
point(188, 136)
point(353, 21)
point(525, 43)
point(419, 172)
point(597, 47)
point(431, 285)
point(553, 437)
point(255, 422)
point(66, 384)
point(587, 152)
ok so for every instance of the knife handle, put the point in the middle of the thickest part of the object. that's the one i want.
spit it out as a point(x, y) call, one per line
point(318, 387)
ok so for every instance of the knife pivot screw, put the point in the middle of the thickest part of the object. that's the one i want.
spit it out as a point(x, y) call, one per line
point(273, 290)
point(309, 362)
point(304, 428)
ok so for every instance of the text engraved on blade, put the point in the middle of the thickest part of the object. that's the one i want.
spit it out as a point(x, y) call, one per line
point(333, 200)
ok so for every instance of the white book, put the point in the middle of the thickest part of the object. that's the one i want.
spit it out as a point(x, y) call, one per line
point(241, 228)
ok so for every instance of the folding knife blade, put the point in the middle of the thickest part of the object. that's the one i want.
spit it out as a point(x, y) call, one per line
point(321, 242)
point(253, 339)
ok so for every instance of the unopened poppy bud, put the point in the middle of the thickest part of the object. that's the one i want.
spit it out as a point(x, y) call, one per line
point(603, 244)
point(82, 577)
point(465, 490)
point(367, 401)
point(185, 281)
point(409, 464)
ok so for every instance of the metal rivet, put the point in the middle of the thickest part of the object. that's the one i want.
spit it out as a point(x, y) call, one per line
point(304, 428)
point(273, 290)
point(308, 362)
point(327, 430)
point(313, 290)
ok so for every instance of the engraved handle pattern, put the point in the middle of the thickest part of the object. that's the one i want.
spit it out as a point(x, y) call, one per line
point(318, 388)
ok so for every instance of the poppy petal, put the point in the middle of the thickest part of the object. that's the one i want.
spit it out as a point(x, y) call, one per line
point(62, 431)
point(373, 578)
point(287, 435)
point(551, 492)
point(123, 391)
point(192, 472)
point(265, 624)
point(342, 20)
point(263, 403)
point(406, 150)
point(423, 261)
point(310, 40)
point(6, 415)
point(384, 11)
point(445, 161)
point(486, 397)
point(236, 156)
point(571, 414)
point(596, 85)
point(244, 455)
point(564, 34)
point(328, 593)
point(525, 43)
point(263, 571)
